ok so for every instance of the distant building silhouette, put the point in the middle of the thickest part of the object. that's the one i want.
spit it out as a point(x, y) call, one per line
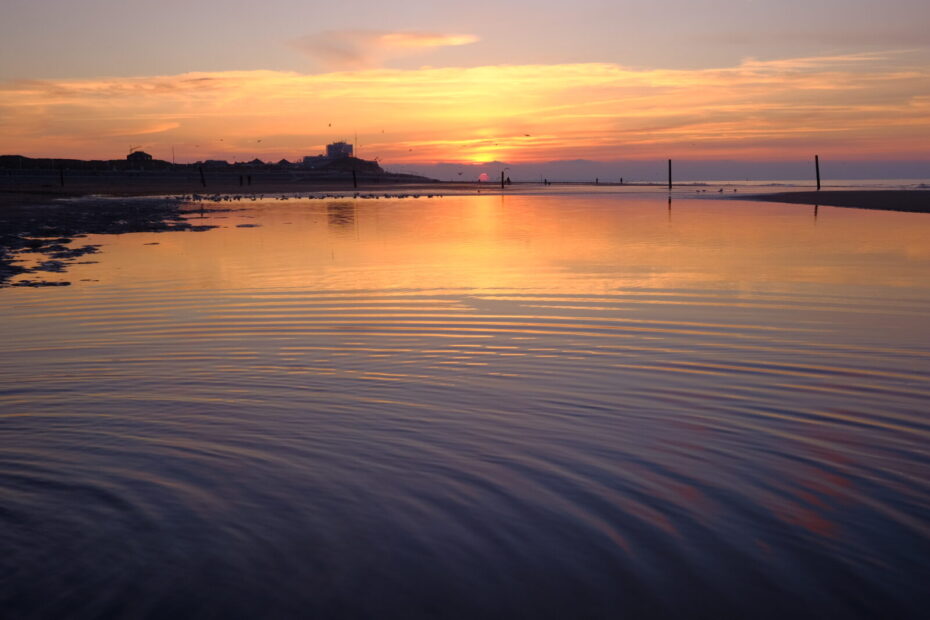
point(338, 150)
point(139, 157)
point(312, 161)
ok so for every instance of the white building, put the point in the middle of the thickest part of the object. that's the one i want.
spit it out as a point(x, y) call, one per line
point(338, 150)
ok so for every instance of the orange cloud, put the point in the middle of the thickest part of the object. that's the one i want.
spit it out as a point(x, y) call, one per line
point(855, 106)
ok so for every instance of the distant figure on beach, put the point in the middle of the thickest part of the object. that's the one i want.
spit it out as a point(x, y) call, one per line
point(508, 181)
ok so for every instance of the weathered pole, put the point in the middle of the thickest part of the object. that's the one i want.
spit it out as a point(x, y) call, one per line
point(203, 179)
point(502, 179)
point(670, 175)
point(817, 169)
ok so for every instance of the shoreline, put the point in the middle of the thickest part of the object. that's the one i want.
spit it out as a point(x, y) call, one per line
point(908, 200)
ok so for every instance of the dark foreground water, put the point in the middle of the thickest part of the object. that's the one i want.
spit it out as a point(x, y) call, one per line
point(539, 407)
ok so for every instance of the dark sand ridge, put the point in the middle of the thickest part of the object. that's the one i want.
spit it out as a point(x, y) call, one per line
point(917, 201)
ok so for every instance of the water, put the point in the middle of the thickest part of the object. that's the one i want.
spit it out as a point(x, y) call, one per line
point(475, 406)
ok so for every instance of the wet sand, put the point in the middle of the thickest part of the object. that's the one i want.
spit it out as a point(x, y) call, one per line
point(915, 201)
point(39, 237)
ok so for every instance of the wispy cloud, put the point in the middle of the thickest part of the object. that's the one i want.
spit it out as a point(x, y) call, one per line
point(363, 49)
point(856, 106)
point(878, 35)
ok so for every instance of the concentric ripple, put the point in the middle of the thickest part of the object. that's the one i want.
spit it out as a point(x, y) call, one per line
point(571, 407)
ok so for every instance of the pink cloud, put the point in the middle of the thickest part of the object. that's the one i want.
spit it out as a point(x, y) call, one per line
point(362, 49)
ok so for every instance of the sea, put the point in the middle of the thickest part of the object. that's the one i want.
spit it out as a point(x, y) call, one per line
point(550, 403)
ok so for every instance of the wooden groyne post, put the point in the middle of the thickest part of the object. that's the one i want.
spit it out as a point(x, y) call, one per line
point(670, 175)
point(817, 170)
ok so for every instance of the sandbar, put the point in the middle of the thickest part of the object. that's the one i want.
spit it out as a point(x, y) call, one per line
point(914, 201)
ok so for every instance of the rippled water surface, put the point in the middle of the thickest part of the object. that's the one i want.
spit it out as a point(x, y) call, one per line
point(475, 406)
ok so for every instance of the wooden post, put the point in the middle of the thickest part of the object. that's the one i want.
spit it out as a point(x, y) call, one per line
point(354, 179)
point(670, 175)
point(502, 179)
point(817, 169)
point(203, 179)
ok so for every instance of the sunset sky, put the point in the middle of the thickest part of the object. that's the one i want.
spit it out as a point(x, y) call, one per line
point(423, 82)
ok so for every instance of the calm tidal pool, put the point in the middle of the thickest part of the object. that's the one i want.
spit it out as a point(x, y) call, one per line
point(475, 406)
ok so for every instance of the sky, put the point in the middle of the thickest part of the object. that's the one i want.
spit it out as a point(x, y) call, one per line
point(418, 83)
